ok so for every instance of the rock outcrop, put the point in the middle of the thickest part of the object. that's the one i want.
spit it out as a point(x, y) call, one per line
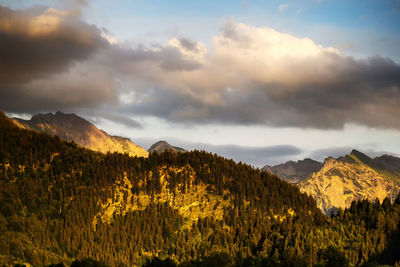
point(294, 172)
point(162, 146)
point(353, 177)
point(71, 127)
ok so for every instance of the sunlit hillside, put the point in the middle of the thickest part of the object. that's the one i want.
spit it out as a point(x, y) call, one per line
point(61, 203)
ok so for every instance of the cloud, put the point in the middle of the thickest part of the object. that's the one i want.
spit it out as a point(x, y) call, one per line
point(256, 156)
point(84, 85)
point(96, 116)
point(282, 7)
point(251, 75)
point(177, 55)
point(262, 76)
point(124, 120)
point(321, 154)
point(52, 60)
point(82, 2)
point(37, 42)
point(45, 61)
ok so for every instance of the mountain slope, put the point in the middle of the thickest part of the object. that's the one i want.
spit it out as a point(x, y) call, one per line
point(71, 127)
point(162, 146)
point(389, 166)
point(294, 172)
point(354, 177)
point(60, 202)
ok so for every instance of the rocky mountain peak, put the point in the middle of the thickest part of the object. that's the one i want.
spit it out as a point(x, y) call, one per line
point(359, 155)
point(42, 117)
point(60, 119)
point(329, 160)
point(162, 146)
point(71, 127)
point(161, 143)
point(352, 177)
point(292, 171)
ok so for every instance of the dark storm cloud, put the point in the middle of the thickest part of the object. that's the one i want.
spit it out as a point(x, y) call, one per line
point(52, 60)
point(44, 55)
point(362, 91)
point(65, 92)
point(365, 92)
point(37, 42)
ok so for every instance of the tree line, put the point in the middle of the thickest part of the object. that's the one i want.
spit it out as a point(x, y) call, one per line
point(50, 191)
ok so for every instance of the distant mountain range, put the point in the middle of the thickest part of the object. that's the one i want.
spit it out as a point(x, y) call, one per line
point(71, 127)
point(162, 146)
point(62, 203)
point(294, 172)
point(337, 182)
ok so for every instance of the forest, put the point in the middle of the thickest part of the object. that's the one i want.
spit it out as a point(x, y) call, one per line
point(63, 205)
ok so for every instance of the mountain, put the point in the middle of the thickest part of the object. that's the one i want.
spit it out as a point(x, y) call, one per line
point(71, 127)
point(294, 172)
point(63, 203)
point(162, 146)
point(353, 177)
point(389, 165)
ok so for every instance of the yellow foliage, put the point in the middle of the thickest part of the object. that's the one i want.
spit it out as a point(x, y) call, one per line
point(193, 203)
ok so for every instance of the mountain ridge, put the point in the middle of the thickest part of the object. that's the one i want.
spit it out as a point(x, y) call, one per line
point(337, 182)
point(349, 178)
point(72, 127)
point(161, 146)
point(63, 203)
point(294, 172)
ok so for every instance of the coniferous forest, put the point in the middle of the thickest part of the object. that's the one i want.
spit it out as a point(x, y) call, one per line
point(66, 205)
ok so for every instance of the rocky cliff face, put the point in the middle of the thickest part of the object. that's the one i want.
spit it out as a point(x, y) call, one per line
point(355, 176)
point(161, 146)
point(294, 172)
point(74, 128)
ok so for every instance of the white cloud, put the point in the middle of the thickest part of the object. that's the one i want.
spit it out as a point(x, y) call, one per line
point(267, 55)
point(110, 39)
point(282, 7)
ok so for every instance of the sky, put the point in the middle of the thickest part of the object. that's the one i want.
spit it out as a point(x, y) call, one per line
point(261, 82)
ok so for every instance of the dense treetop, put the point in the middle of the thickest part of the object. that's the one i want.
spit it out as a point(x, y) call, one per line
point(52, 192)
